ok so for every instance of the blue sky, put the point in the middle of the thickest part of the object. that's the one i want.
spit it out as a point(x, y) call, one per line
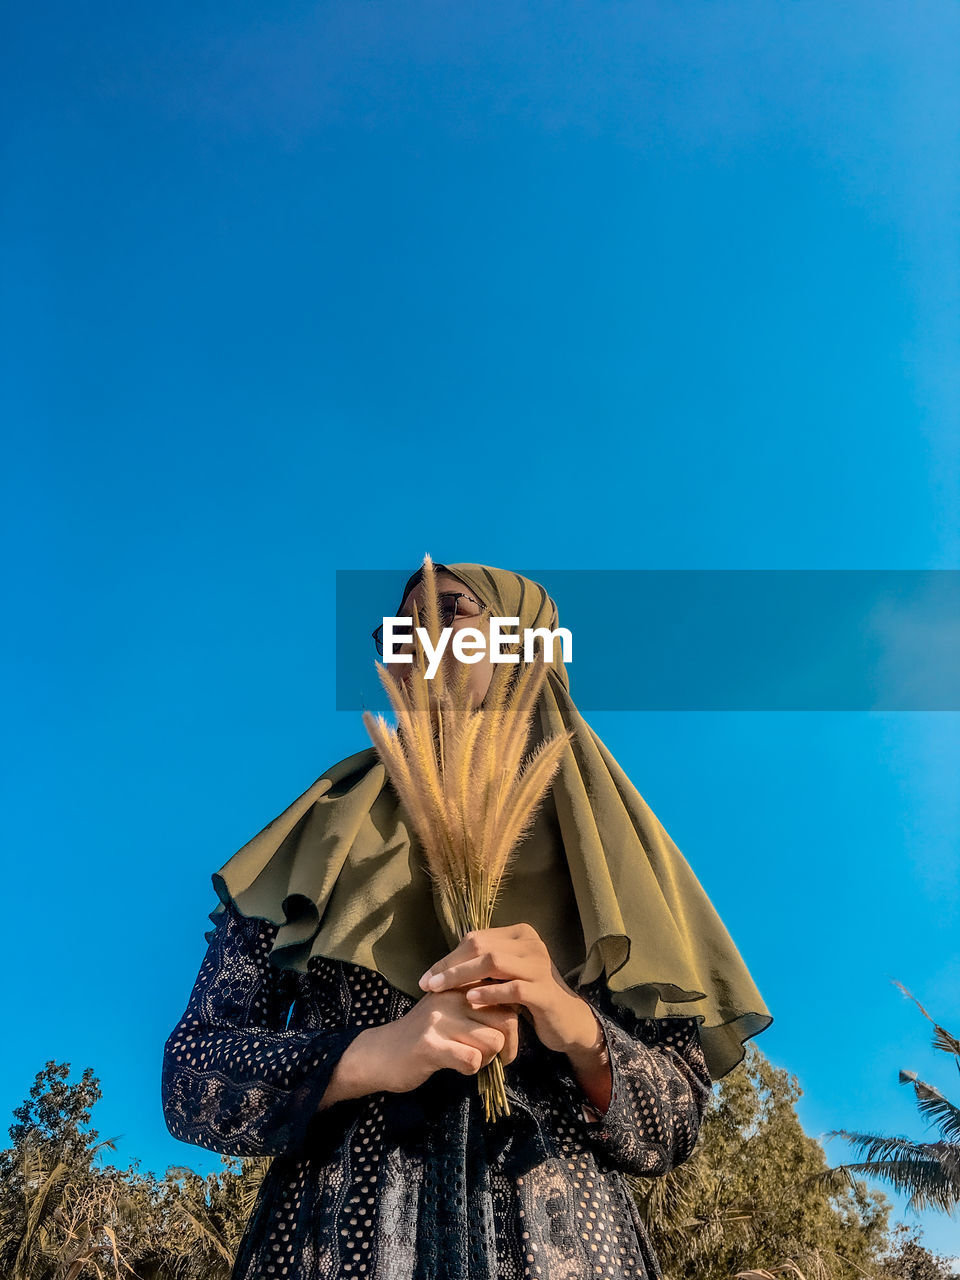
point(301, 287)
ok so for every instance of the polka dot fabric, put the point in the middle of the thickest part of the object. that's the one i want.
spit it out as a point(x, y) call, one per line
point(417, 1186)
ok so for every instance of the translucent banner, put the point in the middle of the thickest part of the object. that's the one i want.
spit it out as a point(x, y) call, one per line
point(716, 639)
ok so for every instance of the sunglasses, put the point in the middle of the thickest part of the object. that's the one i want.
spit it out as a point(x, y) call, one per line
point(453, 604)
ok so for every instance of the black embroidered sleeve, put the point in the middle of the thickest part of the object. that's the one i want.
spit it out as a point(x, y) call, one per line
point(234, 1079)
point(661, 1088)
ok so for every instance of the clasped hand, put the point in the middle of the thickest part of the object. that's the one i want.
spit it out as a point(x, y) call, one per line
point(470, 1014)
point(510, 966)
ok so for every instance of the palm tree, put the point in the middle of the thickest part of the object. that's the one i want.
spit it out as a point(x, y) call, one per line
point(930, 1171)
point(212, 1213)
point(60, 1225)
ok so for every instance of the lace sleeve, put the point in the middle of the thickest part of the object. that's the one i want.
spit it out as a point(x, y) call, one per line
point(661, 1088)
point(234, 1079)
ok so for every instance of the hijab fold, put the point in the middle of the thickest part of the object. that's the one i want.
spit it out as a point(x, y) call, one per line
point(342, 873)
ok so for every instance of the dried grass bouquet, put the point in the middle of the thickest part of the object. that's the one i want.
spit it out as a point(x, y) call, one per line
point(462, 776)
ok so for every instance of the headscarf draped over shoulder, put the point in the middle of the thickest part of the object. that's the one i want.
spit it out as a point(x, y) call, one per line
point(342, 873)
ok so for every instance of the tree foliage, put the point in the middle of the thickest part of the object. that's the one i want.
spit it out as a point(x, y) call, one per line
point(756, 1194)
point(930, 1171)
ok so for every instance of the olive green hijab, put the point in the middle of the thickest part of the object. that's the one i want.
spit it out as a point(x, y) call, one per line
point(341, 872)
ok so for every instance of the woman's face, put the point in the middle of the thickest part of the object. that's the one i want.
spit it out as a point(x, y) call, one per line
point(479, 674)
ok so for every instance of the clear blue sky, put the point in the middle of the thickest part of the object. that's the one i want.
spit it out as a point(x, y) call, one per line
point(301, 287)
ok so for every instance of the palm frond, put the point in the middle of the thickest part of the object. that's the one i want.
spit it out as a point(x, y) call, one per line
point(942, 1038)
point(933, 1104)
point(927, 1169)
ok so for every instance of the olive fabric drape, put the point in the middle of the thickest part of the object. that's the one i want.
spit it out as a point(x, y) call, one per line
point(341, 872)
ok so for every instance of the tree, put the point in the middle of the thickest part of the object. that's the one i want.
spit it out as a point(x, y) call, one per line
point(929, 1170)
point(910, 1260)
point(750, 1195)
point(57, 1212)
point(64, 1218)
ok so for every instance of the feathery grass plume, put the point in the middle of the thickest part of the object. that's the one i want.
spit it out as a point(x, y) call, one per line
point(461, 774)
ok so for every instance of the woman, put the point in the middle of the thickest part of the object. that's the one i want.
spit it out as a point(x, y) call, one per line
point(334, 1026)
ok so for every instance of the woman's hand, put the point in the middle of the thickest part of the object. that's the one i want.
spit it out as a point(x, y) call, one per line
point(517, 960)
point(441, 1030)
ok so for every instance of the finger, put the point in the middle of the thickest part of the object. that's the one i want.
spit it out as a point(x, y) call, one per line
point(497, 963)
point(506, 1020)
point(483, 1030)
point(510, 1050)
point(500, 993)
point(483, 1042)
point(462, 1057)
point(489, 1040)
point(511, 1039)
point(496, 1015)
point(445, 1051)
point(478, 941)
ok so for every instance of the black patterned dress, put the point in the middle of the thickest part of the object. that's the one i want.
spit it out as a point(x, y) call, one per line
point(418, 1186)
